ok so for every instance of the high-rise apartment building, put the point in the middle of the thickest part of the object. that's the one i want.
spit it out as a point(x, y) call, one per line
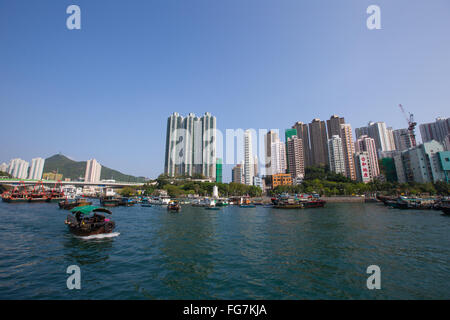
point(319, 142)
point(367, 144)
point(437, 130)
point(336, 155)
point(421, 163)
point(384, 138)
point(278, 158)
point(363, 131)
point(303, 133)
point(446, 143)
point(249, 167)
point(191, 145)
point(18, 168)
point(255, 166)
point(402, 140)
point(288, 133)
point(295, 159)
point(93, 171)
point(37, 168)
point(237, 174)
point(349, 150)
point(270, 138)
point(4, 167)
point(390, 135)
point(334, 126)
point(381, 135)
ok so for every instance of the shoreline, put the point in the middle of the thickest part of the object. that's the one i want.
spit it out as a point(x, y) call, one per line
point(344, 199)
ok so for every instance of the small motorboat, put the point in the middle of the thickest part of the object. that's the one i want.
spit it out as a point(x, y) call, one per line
point(247, 206)
point(86, 221)
point(212, 208)
point(146, 204)
point(174, 206)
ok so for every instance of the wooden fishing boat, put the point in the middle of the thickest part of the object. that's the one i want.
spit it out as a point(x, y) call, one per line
point(69, 205)
point(110, 201)
point(11, 198)
point(18, 195)
point(127, 202)
point(87, 221)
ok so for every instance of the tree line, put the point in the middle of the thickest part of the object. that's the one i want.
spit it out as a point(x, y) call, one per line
point(317, 180)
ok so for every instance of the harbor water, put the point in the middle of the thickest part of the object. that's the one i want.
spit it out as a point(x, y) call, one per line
point(232, 253)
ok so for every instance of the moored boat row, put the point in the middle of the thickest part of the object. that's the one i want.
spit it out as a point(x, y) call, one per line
point(286, 201)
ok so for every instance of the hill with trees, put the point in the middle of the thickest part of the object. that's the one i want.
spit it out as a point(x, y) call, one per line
point(76, 169)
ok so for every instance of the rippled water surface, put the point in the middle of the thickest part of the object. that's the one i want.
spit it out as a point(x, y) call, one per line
point(234, 253)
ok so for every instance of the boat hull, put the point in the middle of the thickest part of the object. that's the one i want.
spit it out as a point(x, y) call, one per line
point(15, 200)
point(85, 232)
point(70, 205)
point(89, 229)
point(301, 205)
point(38, 200)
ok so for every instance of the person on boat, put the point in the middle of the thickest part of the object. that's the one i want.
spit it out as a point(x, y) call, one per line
point(78, 217)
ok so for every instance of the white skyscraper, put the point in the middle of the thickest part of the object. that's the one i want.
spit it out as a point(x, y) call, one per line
point(382, 136)
point(93, 171)
point(278, 157)
point(269, 139)
point(336, 155)
point(18, 168)
point(248, 158)
point(191, 145)
point(37, 167)
point(4, 167)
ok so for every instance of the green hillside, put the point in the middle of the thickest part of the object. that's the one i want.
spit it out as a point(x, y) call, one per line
point(76, 169)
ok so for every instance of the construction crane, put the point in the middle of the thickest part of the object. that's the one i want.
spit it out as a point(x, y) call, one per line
point(411, 126)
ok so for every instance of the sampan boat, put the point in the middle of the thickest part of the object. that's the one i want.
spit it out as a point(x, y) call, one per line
point(174, 206)
point(86, 221)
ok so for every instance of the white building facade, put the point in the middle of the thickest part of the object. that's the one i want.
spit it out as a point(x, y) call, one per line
point(93, 171)
point(191, 145)
point(18, 168)
point(248, 158)
point(336, 155)
point(4, 167)
point(37, 168)
point(278, 157)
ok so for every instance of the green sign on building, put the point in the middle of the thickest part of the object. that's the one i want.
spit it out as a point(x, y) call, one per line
point(219, 170)
point(290, 133)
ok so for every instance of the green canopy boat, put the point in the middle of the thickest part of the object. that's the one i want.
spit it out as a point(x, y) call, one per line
point(85, 224)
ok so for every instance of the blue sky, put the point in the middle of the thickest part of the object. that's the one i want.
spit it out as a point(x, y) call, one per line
point(105, 91)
